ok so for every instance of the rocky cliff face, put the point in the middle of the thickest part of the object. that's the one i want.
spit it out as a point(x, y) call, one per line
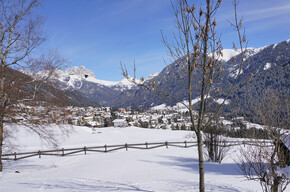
point(80, 72)
point(84, 82)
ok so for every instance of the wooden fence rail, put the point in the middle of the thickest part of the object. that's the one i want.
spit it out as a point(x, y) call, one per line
point(109, 148)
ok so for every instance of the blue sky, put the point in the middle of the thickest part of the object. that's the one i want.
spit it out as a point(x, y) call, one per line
point(100, 33)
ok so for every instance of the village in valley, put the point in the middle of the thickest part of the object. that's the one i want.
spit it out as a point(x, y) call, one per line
point(159, 117)
point(155, 95)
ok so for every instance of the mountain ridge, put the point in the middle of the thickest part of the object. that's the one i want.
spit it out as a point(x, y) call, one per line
point(265, 60)
point(258, 61)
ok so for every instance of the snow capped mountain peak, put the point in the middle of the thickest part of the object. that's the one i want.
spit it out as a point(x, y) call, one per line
point(228, 54)
point(125, 81)
point(81, 72)
point(75, 75)
point(252, 51)
point(151, 76)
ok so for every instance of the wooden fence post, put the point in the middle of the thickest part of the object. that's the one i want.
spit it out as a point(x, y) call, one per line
point(126, 146)
point(62, 151)
point(185, 144)
point(146, 145)
point(39, 154)
point(85, 149)
point(166, 144)
point(106, 149)
point(15, 158)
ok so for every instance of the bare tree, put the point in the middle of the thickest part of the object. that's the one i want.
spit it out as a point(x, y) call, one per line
point(196, 48)
point(20, 34)
point(215, 143)
point(263, 162)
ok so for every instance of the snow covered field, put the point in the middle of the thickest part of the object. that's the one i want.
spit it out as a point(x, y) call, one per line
point(161, 169)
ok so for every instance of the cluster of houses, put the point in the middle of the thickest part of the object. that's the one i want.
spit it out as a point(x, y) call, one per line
point(174, 118)
point(106, 117)
point(123, 117)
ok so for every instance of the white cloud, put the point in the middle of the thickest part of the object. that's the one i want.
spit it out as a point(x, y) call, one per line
point(267, 13)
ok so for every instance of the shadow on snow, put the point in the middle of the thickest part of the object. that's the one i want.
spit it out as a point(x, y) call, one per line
point(85, 185)
point(191, 164)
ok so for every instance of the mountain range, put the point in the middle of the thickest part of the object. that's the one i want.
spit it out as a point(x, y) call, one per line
point(268, 66)
point(84, 82)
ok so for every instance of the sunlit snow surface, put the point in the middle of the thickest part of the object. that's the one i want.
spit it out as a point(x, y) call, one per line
point(161, 169)
point(267, 66)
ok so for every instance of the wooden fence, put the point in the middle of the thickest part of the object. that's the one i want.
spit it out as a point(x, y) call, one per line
point(109, 148)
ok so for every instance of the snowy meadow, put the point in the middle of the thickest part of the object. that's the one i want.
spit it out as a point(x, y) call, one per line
point(161, 169)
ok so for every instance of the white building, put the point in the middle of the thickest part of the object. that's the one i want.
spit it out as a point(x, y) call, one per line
point(120, 123)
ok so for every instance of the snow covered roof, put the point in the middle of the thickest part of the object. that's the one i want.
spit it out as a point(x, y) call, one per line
point(93, 123)
point(286, 140)
point(119, 120)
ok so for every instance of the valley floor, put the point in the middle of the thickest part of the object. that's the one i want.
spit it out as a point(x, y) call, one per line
point(161, 169)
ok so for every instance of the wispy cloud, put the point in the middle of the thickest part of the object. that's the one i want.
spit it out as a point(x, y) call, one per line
point(262, 19)
point(267, 13)
point(255, 11)
point(269, 24)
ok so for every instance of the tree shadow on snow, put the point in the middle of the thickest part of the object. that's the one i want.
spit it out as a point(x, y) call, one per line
point(84, 185)
point(191, 164)
point(23, 165)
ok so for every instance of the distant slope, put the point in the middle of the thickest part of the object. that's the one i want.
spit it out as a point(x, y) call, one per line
point(51, 93)
point(269, 66)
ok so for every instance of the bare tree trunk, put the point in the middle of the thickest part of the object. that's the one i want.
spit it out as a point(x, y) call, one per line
point(1, 143)
point(276, 183)
point(201, 162)
point(202, 102)
point(2, 109)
